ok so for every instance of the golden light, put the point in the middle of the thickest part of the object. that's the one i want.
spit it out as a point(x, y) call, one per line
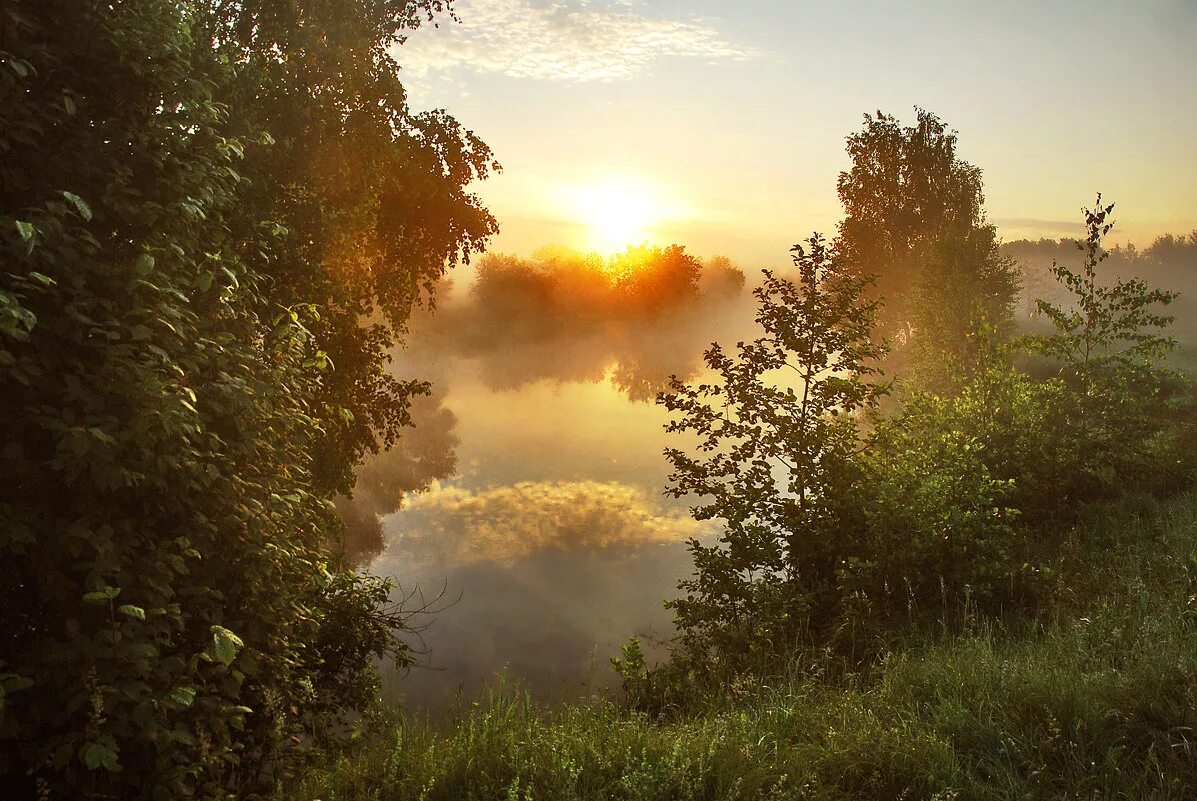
point(616, 214)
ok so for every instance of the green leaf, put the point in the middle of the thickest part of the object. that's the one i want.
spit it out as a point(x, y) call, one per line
point(26, 230)
point(132, 611)
point(225, 644)
point(184, 696)
point(145, 263)
point(79, 204)
point(99, 755)
point(12, 683)
point(101, 596)
point(102, 435)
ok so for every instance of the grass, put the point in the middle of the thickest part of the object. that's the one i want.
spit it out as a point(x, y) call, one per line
point(1098, 701)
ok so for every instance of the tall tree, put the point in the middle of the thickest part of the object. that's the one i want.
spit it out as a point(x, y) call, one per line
point(214, 218)
point(914, 217)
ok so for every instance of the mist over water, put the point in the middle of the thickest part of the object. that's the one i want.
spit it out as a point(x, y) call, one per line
point(550, 542)
point(527, 501)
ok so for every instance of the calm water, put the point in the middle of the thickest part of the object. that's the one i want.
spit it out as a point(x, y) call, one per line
point(553, 542)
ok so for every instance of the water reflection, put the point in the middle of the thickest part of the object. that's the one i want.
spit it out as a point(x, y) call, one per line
point(552, 536)
point(550, 576)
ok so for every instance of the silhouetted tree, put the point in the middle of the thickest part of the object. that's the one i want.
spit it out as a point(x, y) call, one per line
point(777, 438)
point(914, 217)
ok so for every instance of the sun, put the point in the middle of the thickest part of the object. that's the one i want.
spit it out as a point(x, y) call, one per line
point(616, 214)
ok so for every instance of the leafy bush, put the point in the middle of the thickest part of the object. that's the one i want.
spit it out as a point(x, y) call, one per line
point(777, 464)
point(186, 378)
point(1107, 345)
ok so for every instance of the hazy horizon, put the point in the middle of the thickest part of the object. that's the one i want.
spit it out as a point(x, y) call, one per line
point(727, 121)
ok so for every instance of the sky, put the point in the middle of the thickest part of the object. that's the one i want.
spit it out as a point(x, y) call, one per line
point(721, 125)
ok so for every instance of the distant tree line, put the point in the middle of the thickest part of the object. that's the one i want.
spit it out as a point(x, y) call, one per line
point(1170, 262)
point(562, 292)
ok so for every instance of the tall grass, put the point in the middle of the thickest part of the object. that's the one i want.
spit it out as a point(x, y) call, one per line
point(1096, 701)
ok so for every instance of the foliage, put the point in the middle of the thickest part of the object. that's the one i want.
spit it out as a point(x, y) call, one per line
point(776, 464)
point(213, 219)
point(1106, 343)
point(904, 190)
point(1012, 421)
point(378, 196)
point(720, 278)
point(939, 528)
point(835, 538)
point(965, 281)
point(913, 216)
point(651, 279)
point(1098, 703)
point(562, 292)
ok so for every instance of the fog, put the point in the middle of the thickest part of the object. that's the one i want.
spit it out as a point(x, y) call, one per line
point(526, 504)
point(1169, 262)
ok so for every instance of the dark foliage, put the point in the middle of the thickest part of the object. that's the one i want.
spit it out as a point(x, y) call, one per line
point(214, 219)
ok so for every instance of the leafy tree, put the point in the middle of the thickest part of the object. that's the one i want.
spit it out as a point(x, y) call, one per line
point(213, 220)
point(651, 280)
point(913, 216)
point(380, 194)
point(777, 436)
point(1107, 343)
point(721, 278)
point(906, 188)
point(965, 282)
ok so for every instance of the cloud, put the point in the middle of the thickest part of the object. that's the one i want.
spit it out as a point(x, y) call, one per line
point(542, 580)
point(451, 526)
point(575, 41)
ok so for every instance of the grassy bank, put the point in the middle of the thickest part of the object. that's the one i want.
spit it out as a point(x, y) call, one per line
point(1097, 701)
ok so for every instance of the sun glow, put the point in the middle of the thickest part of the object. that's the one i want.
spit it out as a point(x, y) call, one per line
point(616, 214)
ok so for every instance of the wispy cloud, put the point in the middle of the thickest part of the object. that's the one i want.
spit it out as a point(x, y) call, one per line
point(502, 525)
point(583, 40)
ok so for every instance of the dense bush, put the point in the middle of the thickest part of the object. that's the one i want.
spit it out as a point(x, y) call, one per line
point(835, 531)
point(198, 213)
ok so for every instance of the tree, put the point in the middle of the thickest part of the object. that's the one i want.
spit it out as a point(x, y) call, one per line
point(913, 216)
point(652, 280)
point(214, 218)
point(965, 284)
point(1107, 342)
point(777, 436)
point(379, 196)
point(720, 279)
